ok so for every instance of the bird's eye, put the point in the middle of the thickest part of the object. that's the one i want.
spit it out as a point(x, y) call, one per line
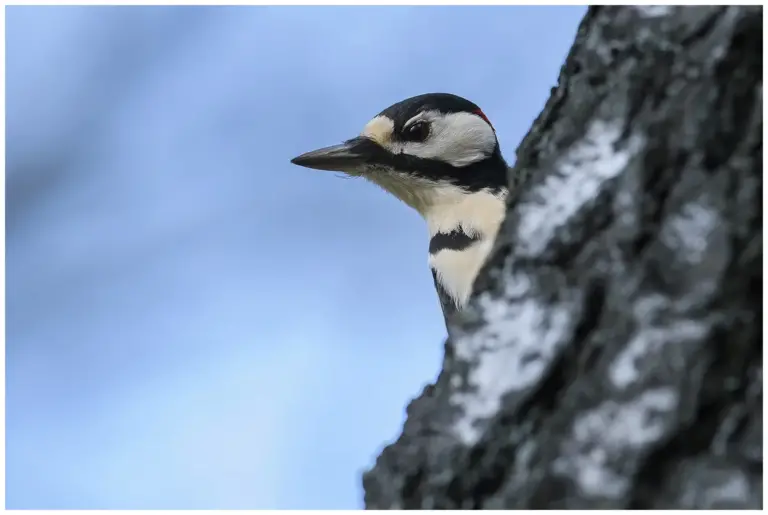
point(416, 132)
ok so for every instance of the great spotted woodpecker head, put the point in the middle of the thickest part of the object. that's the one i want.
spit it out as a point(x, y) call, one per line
point(425, 144)
point(439, 154)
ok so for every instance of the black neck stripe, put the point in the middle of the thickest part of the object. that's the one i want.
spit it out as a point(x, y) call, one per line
point(454, 240)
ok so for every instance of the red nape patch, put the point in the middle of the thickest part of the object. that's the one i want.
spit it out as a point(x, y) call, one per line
point(481, 114)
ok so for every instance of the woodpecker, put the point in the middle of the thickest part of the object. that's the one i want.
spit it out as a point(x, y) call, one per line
point(438, 153)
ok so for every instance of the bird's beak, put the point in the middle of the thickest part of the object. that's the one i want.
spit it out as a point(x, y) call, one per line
point(347, 157)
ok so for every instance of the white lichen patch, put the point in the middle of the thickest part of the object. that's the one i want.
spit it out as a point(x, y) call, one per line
point(711, 488)
point(617, 425)
point(593, 477)
point(518, 341)
point(733, 490)
point(689, 232)
point(576, 180)
point(595, 452)
point(654, 11)
point(652, 335)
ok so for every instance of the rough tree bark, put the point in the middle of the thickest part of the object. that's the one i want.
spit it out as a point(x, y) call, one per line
point(611, 356)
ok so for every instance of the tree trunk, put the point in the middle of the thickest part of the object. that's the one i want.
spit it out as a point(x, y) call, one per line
point(611, 356)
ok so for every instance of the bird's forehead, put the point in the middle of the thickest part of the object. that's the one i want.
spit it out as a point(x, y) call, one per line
point(379, 129)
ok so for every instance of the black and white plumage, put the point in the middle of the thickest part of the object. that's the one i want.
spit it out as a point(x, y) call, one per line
point(439, 154)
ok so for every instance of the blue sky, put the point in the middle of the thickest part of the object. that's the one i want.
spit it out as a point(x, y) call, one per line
point(192, 321)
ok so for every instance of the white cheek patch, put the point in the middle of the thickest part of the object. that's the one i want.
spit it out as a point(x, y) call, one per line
point(458, 139)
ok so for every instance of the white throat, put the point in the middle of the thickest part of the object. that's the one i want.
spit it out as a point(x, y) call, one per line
point(445, 208)
point(478, 215)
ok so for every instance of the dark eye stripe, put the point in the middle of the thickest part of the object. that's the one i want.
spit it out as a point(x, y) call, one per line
point(491, 172)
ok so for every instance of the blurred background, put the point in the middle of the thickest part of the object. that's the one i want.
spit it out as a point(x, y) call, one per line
point(192, 321)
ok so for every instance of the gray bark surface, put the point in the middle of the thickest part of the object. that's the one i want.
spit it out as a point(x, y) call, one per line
point(611, 356)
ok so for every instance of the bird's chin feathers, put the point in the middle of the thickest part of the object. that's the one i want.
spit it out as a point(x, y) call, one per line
point(420, 193)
